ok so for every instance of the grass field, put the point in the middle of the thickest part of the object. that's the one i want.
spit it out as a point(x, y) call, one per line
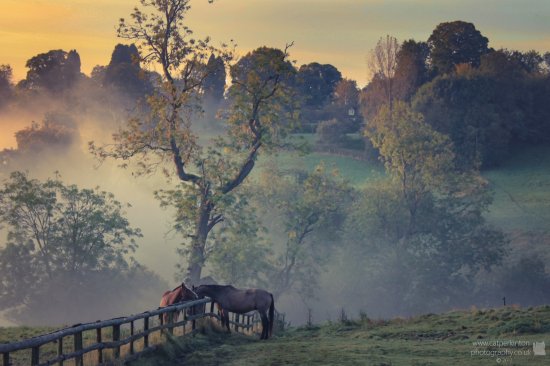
point(446, 339)
point(522, 190)
point(521, 184)
point(430, 339)
point(357, 172)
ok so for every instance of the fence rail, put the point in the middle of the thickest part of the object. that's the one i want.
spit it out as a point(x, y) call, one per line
point(117, 339)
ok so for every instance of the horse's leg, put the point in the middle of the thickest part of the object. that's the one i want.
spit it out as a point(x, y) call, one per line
point(265, 324)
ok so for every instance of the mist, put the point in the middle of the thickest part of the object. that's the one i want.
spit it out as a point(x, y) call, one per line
point(353, 259)
point(62, 148)
point(77, 166)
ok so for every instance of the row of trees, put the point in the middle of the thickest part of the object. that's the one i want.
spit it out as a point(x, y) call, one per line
point(487, 101)
point(436, 112)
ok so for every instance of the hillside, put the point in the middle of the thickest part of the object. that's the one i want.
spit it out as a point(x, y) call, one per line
point(446, 339)
point(521, 184)
point(522, 190)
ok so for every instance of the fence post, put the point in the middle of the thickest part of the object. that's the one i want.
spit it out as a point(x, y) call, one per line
point(60, 350)
point(170, 323)
point(184, 322)
point(193, 324)
point(116, 338)
point(132, 337)
point(79, 360)
point(35, 356)
point(100, 350)
point(146, 330)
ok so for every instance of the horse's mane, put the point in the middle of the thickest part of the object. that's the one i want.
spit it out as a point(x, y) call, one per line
point(219, 286)
point(181, 285)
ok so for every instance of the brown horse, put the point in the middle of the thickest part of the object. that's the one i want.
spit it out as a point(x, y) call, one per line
point(241, 302)
point(179, 294)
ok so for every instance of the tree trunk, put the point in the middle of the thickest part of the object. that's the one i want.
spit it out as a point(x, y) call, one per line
point(197, 255)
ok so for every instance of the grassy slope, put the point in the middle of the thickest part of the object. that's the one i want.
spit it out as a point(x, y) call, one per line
point(355, 171)
point(521, 184)
point(522, 190)
point(444, 339)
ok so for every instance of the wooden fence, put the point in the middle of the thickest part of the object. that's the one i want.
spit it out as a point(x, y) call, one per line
point(108, 335)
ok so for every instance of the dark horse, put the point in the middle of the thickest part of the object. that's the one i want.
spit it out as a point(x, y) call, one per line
point(242, 301)
point(180, 293)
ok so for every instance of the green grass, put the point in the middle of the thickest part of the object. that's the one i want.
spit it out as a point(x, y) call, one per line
point(445, 339)
point(357, 172)
point(521, 184)
point(430, 339)
point(522, 190)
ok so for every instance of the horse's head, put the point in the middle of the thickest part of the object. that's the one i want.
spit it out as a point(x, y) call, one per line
point(187, 293)
point(200, 291)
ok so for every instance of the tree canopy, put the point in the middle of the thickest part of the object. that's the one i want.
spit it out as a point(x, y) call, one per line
point(454, 43)
point(59, 233)
point(317, 82)
point(54, 71)
point(124, 72)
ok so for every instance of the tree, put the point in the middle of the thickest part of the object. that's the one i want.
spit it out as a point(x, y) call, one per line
point(6, 87)
point(57, 231)
point(331, 132)
point(412, 69)
point(480, 113)
point(53, 71)
point(454, 43)
point(241, 252)
point(208, 175)
point(372, 98)
point(421, 231)
point(316, 82)
point(124, 72)
point(531, 61)
point(419, 157)
point(346, 93)
point(309, 209)
point(382, 63)
point(214, 84)
point(431, 268)
point(500, 64)
point(546, 60)
point(58, 130)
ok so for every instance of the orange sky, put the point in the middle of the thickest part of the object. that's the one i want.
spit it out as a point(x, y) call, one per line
point(340, 32)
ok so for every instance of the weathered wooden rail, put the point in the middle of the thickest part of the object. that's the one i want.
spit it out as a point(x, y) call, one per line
point(118, 338)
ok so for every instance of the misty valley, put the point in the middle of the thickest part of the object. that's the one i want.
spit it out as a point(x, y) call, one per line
point(405, 221)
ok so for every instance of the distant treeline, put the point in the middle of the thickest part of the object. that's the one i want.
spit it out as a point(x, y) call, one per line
point(487, 101)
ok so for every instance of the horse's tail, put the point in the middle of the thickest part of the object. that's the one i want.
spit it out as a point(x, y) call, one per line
point(271, 315)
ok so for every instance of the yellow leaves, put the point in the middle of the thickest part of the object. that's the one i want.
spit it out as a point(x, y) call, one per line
point(292, 234)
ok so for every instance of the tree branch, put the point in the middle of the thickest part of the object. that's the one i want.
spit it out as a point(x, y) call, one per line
point(214, 221)
point(180, 166)
point(245, 168)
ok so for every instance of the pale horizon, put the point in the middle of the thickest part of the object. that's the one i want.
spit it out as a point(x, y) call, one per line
point(326, 31)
